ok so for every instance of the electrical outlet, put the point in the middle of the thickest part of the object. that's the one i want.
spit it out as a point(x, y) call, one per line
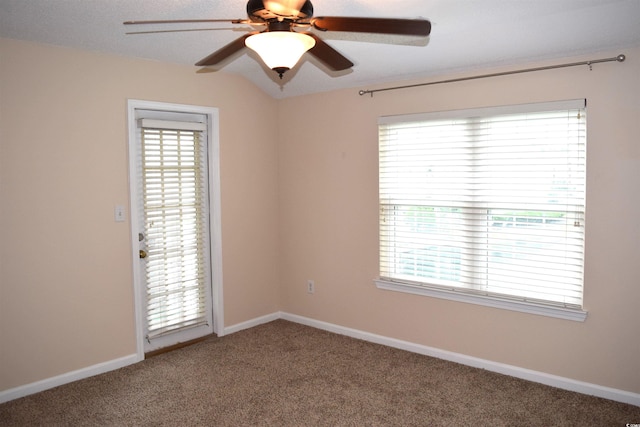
point(311, 287)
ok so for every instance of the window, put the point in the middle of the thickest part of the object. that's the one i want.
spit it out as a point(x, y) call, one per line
point(486, 206)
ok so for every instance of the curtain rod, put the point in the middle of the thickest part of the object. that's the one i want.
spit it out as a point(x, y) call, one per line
point(618, 58)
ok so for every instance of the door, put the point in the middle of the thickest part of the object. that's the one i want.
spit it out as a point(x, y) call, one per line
point(173, 223)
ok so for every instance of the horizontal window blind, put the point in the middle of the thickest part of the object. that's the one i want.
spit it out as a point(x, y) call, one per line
point(487, 201)
point(174, 198)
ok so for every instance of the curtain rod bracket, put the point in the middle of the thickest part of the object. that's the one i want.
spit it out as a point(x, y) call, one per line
point(620, 58)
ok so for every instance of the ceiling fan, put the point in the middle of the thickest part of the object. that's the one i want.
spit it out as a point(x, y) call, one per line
point(280, 47)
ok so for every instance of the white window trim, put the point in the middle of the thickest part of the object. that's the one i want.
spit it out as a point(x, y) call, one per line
point(467, 295)
point(463, 295)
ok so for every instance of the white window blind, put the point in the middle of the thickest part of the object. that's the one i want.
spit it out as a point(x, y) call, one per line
point(488, 202)
point(174, 169)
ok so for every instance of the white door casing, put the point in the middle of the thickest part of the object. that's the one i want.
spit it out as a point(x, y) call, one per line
point(209, 116)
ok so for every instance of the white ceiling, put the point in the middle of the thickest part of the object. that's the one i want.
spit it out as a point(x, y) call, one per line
point(466, 35)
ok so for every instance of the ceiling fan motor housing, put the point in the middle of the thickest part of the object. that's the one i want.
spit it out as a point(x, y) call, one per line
point(258, 11)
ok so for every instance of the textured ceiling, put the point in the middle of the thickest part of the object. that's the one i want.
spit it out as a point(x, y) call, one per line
point(466, 35)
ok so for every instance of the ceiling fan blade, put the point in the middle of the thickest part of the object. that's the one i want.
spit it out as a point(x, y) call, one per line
point(414, 27)
point(225, 51)
point(328, 55)
point(179, 31)
point(186, 21)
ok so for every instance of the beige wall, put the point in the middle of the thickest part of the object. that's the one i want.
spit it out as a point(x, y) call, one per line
point(328, 213)
point(66, 292)
point(299, 201)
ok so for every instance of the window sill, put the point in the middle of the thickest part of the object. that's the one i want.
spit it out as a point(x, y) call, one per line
point(489, 301)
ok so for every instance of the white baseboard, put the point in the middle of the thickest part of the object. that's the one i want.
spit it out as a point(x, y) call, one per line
point(514, 371)
point(252, 322)
point(38, 386)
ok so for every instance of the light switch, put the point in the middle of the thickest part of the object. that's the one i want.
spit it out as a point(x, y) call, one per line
point(119, 213)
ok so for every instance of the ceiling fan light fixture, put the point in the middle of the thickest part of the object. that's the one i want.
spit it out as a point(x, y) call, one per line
point(280, 50)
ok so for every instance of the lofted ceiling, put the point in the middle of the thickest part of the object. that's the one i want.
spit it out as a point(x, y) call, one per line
point(466, 35)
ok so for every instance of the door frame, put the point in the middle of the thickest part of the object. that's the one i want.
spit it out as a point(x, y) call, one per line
point(215, 223)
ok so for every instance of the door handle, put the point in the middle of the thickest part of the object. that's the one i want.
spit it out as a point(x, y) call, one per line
point(143, 254)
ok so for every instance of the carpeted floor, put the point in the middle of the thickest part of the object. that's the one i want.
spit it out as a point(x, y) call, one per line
point(286, 374)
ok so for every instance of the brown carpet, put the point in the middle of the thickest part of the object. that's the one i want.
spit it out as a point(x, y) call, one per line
point(286, 374)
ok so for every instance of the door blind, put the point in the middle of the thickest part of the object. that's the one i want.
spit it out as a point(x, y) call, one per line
point(174, 175)
point(489, 202)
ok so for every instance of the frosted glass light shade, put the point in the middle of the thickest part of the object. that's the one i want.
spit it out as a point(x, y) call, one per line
point(280, 50)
